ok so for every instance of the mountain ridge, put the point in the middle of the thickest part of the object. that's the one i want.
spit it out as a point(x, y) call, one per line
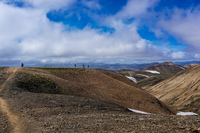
point(152, 75)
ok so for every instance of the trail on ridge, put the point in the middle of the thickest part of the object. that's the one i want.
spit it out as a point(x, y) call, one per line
point(13, 119)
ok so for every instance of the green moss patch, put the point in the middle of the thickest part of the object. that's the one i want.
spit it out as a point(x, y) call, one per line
point(38, 84)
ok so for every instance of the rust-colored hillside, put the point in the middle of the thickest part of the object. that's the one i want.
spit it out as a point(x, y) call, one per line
point(100, 84)
point(181, 91)
point(33, 100)
point(152, 75)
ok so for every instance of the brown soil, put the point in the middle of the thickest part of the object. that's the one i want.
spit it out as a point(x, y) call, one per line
point(39, 112)
point(147, 79)
point(182, 91)
point(166, 68)
point(107, 86)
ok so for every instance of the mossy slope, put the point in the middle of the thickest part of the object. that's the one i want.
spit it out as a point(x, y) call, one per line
point(38, 84)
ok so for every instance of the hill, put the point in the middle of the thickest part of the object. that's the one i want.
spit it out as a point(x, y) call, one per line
point(39, 105)
point(181, 91)
point(99, 84)
point(27, 107)
point(190, 65)
point(152, 75)
point(166, 68)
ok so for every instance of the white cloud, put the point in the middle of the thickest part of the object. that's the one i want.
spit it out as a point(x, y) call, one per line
point(92, 4)
point(184, 26)
point(44, 4)
point(178, 55)
point(51, 4)
point(135, 8)
point(27, 34)
point(197, 56)
point(158, 32)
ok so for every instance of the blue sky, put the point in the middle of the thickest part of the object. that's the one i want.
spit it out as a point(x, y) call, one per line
point(103, 31)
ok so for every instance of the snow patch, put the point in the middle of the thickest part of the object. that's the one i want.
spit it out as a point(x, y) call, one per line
point(146, 76)
point(179, 113)
point(152, 71)
point(186, 113)
point(140, 112)
point(131, 78)
point(182, 68)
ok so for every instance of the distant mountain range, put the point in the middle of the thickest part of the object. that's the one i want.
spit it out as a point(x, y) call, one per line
point(187, 62)
point(114, 67)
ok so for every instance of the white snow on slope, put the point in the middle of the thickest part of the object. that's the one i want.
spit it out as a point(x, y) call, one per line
point(182, 68)
point(131, 78)
point(140, 112)
point(186, 113)
point(179, 113)
point(143, 75)
point(152, 71)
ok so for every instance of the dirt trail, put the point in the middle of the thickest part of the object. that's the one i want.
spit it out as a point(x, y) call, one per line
point(13, 119)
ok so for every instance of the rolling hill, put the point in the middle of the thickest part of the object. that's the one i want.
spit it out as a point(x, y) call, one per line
point(152, 75)
point(181, 91)
point(190, 65)
point(98, 84)
point(44, 100)
point(166, 68)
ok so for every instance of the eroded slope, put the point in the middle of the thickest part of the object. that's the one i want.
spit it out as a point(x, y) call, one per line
point(181, 91)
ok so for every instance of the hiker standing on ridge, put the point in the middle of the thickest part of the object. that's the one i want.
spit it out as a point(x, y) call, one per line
point(22, 65)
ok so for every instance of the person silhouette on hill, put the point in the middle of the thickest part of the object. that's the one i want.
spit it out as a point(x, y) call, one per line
point(22, 65)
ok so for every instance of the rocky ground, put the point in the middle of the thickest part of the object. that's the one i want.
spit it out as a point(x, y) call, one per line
point(23, 111)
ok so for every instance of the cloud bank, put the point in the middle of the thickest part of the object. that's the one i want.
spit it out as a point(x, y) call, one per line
point(27, 34)
point(184, 25)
